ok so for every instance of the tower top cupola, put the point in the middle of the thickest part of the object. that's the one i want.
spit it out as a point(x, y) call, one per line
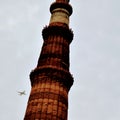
point(62, 0)
point(60, 10)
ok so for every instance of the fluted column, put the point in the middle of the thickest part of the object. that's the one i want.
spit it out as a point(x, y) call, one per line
point(51, 79)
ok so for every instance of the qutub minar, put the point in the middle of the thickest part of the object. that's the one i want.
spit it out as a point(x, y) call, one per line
point(51, 79)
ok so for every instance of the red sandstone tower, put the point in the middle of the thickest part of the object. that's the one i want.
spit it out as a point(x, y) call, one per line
point(51, 79)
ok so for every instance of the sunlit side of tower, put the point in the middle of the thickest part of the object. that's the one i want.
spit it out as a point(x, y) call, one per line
point(51, 79)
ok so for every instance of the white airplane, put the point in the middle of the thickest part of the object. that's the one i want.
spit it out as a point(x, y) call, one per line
point(22, 92)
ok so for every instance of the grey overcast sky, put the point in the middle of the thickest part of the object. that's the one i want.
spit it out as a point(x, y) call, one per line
point(94, 57)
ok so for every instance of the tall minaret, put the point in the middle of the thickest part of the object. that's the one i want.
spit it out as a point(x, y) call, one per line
point(51, 79)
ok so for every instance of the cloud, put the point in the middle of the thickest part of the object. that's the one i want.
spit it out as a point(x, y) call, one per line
point(94, 56)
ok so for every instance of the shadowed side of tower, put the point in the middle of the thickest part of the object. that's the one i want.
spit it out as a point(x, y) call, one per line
point(51, 79)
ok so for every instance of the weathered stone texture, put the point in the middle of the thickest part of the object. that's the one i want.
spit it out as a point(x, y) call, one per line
point(51, 79)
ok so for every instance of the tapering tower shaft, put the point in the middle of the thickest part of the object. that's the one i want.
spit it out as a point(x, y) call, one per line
point(51, 79)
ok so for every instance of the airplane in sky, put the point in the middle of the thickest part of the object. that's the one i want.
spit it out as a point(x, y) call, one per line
point(22, 93)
